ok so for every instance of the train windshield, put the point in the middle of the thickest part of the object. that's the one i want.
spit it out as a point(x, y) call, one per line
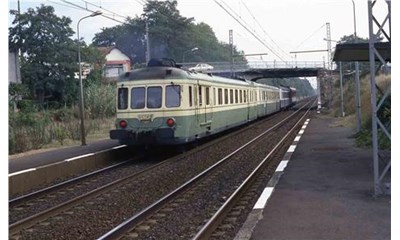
point(173, 96)
point(122, 98)
point(154, 96)
point(137, 97)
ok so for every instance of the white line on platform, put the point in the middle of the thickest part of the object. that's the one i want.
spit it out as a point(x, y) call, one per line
point(282, 165)
point(23, 171)
point(263, 198)
point(78, 157)
point(301, 131)
point(120, 146)
point(297, 139)
point(266, 194)
point(291, 148)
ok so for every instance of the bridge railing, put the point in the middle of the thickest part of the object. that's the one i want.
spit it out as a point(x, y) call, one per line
point(252, 64)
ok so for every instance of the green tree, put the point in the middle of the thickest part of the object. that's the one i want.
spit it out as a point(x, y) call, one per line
point(168, 30)
point(171, 35)
point(349, 66)
point(47, 53)
point(128, 37)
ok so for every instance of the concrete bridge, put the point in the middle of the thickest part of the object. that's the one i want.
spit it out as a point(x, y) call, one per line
point(267, 69)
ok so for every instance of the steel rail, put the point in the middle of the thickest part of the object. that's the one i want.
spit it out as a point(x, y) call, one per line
point(31, 220)
point(130, 223)
point(207, 230)
point(66, 183)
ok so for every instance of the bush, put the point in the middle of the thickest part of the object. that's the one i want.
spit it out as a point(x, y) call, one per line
point(364, 137)
point(60, 134)
point(27, 130)
point(100, 101)
point(30, 128)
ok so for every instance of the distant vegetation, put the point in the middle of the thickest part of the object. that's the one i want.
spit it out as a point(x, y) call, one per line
point(171, 35)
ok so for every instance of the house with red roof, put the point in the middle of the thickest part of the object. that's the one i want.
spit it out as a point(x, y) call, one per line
point(117, 62)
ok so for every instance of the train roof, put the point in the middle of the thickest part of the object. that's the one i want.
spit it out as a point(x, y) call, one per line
point(163, 72)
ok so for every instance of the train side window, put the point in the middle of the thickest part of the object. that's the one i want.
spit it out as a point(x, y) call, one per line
point(226, 96)
point(240, 96)
point(236, 96)
point(190, 96)
point(200, 97)
point(122, 98)
point(137, 97)
point(154, 97)
point(219, 96)
point(213, 100)
point(173, 96)
point(207, 96)
point(231, 96)
point(245, 96)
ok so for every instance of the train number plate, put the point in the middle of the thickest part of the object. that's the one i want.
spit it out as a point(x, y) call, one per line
point(145, 117)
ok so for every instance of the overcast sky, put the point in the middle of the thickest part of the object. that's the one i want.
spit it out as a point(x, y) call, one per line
point(283, 26)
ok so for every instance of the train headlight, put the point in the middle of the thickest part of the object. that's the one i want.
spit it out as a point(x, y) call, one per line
point(123, 124)
point(170, 122)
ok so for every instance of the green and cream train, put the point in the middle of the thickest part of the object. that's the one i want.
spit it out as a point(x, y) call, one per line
point(166, 105)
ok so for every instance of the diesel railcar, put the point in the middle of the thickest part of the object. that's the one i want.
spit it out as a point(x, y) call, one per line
point(166, 105)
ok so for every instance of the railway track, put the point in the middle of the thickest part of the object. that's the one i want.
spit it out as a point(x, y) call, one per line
point(157, 220)
point(99, 210)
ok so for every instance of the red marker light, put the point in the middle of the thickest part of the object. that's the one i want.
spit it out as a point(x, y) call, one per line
point(123, 123)
point(170, 122)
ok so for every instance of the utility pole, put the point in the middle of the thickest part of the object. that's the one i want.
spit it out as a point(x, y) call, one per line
point(357, 76)
point(341, 89)
point(231, 44)
point(328, 41)
point(147, 42)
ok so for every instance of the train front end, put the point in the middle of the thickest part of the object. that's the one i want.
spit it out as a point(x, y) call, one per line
point(149, 108)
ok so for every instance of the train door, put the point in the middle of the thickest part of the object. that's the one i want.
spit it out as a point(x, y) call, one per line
point(247, 101)
point(197, 102)
point(204, 103)
point(208, 104)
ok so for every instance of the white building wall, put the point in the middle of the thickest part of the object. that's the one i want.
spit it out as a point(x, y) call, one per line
point(116, 55)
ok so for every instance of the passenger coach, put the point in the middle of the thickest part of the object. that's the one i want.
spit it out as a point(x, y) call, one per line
point(165, 105)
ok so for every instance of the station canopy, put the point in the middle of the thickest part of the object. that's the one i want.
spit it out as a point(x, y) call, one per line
point(352, 52)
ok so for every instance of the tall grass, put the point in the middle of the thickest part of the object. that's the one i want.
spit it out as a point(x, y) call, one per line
point(31, 129)
point(384, 114)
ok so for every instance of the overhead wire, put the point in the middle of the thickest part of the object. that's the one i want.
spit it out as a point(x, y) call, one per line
point(61, 4)
point(247, 28)
point(265, 32)
point(114, 13)
point(92, 11)
point(255, 33)
point(312, 34)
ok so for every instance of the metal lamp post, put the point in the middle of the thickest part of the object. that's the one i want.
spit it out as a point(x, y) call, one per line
point(357, 75)
point(81, 105)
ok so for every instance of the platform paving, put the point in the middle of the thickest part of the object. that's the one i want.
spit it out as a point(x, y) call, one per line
point(34, 159)
point(324, 193)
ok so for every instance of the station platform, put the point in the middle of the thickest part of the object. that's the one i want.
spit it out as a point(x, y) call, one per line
point(325, 191)
point(32, 159)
